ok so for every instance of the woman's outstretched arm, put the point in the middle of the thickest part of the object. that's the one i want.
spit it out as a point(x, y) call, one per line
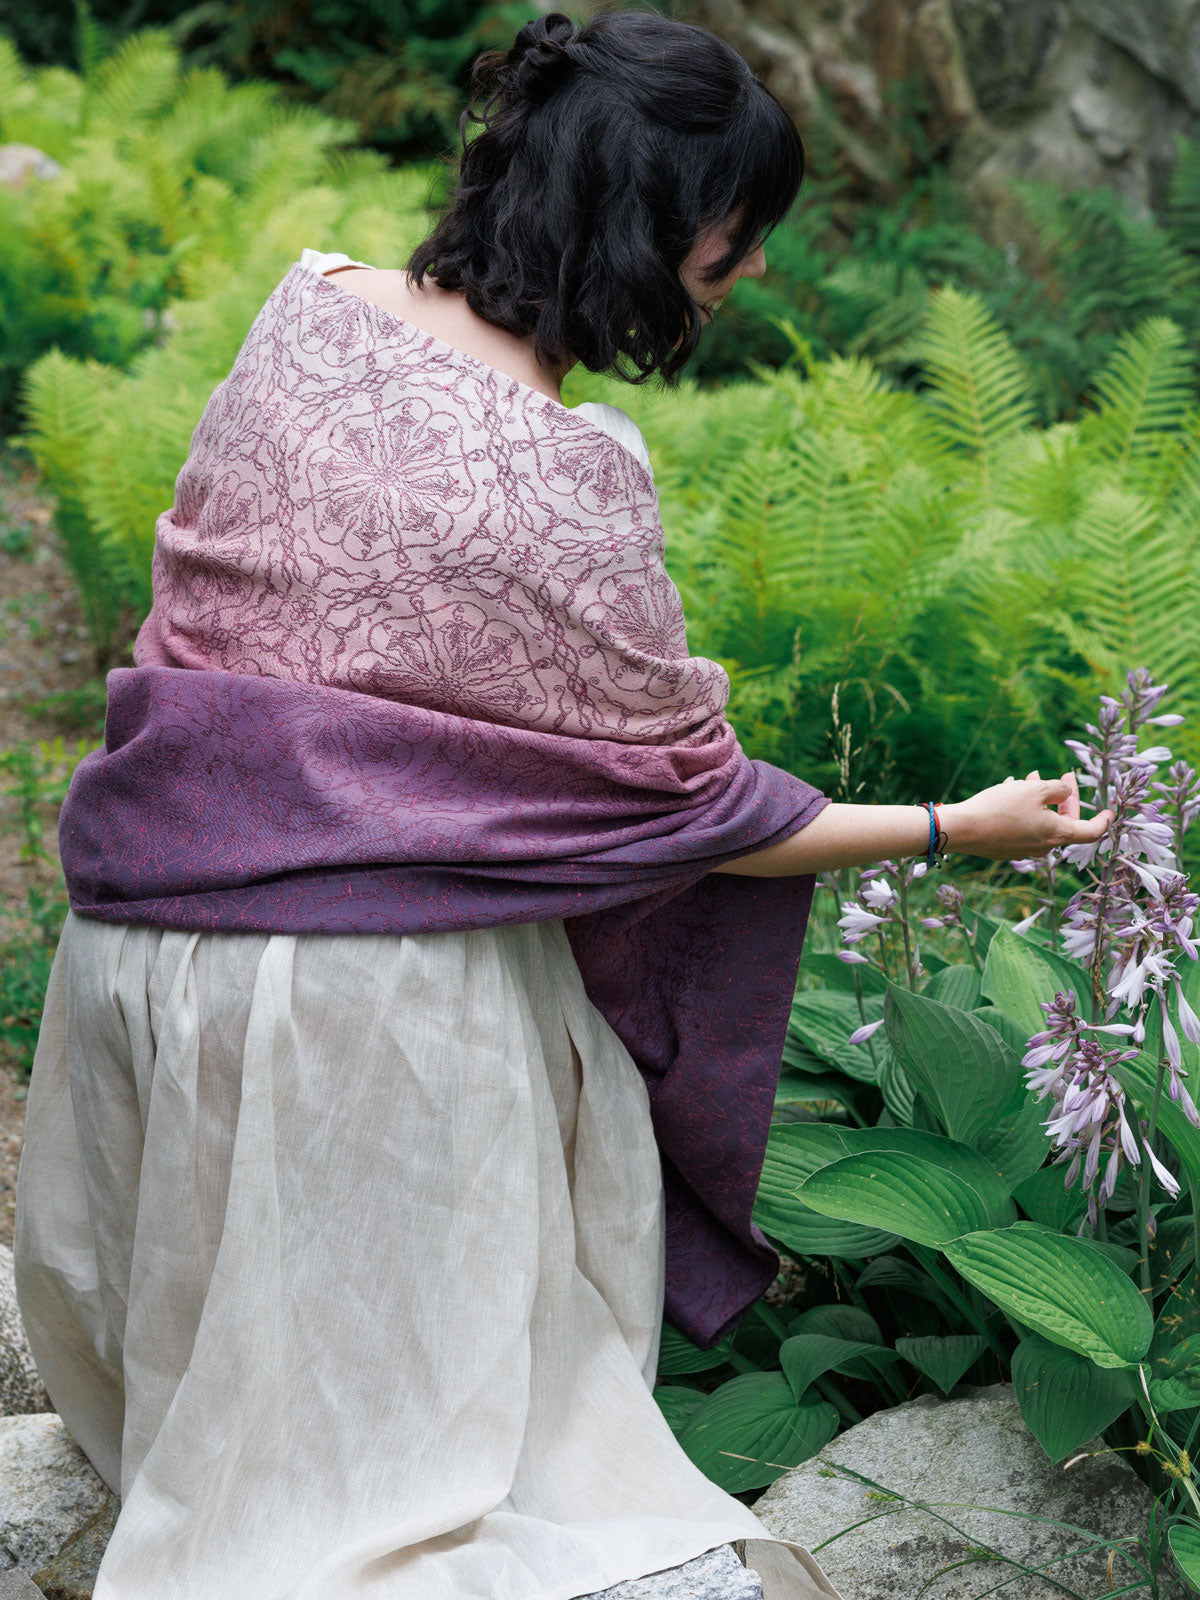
point(1010, 820)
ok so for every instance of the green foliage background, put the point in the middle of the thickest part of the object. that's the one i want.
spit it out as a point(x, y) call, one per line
point(913, 531)
point(923, 500)
point(397, 68)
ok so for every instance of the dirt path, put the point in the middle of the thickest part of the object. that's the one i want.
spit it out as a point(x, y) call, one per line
point(44, 652)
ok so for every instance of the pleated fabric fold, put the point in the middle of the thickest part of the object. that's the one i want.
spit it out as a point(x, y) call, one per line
point(342, 1259)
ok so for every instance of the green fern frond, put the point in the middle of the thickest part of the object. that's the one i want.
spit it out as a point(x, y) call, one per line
point(1131, 598)
point(134, 82)
point(978, 387)
point(66, 402)
point(1144, 392)
point(13, 81)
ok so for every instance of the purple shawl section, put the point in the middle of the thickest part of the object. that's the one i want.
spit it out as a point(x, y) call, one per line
point(226, 801)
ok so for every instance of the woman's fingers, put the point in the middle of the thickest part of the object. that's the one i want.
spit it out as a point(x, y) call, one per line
point(1070, 806)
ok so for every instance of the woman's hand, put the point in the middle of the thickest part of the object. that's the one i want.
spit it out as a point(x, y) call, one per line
point(1008, 821)
point(1014, 819)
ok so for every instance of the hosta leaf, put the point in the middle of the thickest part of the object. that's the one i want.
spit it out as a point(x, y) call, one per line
point(943, 1359)
point(1043, 1197)
point(896, 1089)
point(677, 1353)
point(916, 1198)
point(793, 1151)
point(750, 1430)
point(1174, 1356)
point(1016, 1143)
point(1007, 1027)
point(797, 1057)
point(835, 974)
point(949, 1154)
point(1066, 1399)
point(677, 1402)
point(840, 1320)
point(1019, 975)
point(1060, 1288)
point(802, 1088)
point(956, 986)
point(891, 1272)
point(808, 1356)
point(1184, 1539)
point(822, 1021)
point(958, 1063)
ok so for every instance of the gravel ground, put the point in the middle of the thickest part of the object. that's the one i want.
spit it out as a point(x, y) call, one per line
point(44, 650)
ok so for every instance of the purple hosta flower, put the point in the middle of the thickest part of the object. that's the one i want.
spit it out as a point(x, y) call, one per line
point(871, 911)
point(1140, 836)
point(949, 897)
point(1089, 1115)
point(856, 922)
point(1182, 792)
point(1141, 696)
point(1158, 932)
point(861, 1035)
point(878, 895)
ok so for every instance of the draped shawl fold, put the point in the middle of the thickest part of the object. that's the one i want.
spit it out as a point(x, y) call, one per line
point(414, 664)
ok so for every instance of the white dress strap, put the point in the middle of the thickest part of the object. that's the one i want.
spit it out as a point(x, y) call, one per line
point(618, 424)
point(322, 261)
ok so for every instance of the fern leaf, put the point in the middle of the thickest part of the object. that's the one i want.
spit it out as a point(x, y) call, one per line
point(1144, 392)
point(978, 388)
point(66, 402)
point(134, 82)
point(1132, 600)
point(12, 81)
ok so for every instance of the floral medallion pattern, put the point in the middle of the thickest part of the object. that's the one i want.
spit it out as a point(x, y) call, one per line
point(367, 507)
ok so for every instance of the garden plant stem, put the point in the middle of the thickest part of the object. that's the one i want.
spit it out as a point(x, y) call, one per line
point(1144, 1180)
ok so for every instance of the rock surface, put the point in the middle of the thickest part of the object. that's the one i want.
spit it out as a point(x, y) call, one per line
point(1079, 93)
point(20, 162)
point(48, 1490)
point(717, 1575)
point(72, 1573)
point(970, 1450)
point(18, 1585)
point(20, 1387)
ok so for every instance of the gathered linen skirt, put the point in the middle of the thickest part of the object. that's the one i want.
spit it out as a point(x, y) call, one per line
point(341, 1257)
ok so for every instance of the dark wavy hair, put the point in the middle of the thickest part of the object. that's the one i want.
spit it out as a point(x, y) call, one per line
point(603, 151)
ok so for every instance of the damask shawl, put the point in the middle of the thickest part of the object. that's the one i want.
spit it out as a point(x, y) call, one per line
point(414, 663)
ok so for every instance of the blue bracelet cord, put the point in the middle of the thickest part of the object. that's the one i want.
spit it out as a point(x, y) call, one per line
point(937, 839)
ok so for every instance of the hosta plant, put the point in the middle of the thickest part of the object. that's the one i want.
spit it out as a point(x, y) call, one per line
point(986, 1156)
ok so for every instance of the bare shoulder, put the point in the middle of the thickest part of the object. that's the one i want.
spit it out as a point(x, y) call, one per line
point(446, 314)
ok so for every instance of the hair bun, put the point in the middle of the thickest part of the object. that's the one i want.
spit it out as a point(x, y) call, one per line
point(540, 57)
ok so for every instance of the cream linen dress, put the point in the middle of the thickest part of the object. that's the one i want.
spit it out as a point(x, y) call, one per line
point(341, 1257)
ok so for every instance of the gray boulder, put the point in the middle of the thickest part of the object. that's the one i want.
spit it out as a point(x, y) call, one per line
point(20, 162)
point(20, 1387)
point(72, 1573)
point(18, 1585)
point(717, 1575)
point(49, 1491)
point(970, 1450)
point(1164, 37)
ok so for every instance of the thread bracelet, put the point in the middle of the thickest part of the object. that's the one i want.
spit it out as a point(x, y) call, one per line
point(937, 837)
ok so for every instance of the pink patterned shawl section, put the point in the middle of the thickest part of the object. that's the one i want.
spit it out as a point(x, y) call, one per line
point(367, 507)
